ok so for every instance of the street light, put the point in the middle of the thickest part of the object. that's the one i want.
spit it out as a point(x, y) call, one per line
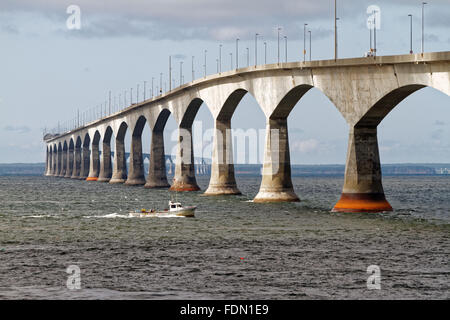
point(160, 83)
point(170, 73)
point(256, 49)
point(309, 31)
point(248, 57)
point(237, 53)
point(217, 63)
point(205, 62)
point(285, 42)
point(304, 42)
point(181, 73)
point(279, 44)
point(374, 33)
point(145, 88)
point(192, 66)
point(423, 26)
point(220, 59)
point(265, 52)
point(410, 32)
point(335, 30)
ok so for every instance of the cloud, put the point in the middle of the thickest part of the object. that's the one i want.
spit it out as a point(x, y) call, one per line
point(439, 123)
point(17, 129)
point(431, 38)
point(305, 146)
point(176, 19)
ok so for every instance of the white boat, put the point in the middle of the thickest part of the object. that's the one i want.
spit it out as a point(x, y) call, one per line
point(175, 209)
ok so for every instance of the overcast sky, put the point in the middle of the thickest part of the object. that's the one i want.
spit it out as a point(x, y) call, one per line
point(47, 71)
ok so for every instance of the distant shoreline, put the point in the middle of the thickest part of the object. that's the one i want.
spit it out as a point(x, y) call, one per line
point(399, 169)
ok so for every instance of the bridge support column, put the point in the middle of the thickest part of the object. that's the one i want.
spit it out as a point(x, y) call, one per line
point(105, 164)
point(184, 179)
point(54, 163)
point(222, 180)
point(120, 166)
point(136, 170)
point(85, 162)
point(94, 165)
point(76, 163)
point(276, 184)
point(157, 177)
point(48, 166)
point(62, 172)
point(69, 165)
point(363, 190)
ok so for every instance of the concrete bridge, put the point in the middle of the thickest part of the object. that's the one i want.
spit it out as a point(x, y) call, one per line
point(364, 90)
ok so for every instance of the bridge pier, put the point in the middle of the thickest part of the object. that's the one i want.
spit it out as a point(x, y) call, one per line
point(363, 189)
point(157, 177)
point(276, 184)
point(54, 162)
point(136, 171)
point(85, 162)
point(69, 165)
point(222, 180)
point(184, 178)
point(48, 163)
point(76, 163)
point(119, 174)
point(105, 164)
point(94, 163)
point(62, 172)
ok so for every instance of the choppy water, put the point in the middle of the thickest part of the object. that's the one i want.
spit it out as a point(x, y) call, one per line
point(232, 249)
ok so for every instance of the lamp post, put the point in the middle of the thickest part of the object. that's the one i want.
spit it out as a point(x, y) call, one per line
point(285, 43)
point(160, 83)
point(181, 73)
point(170, 72)
point(256, 49)
point(374, 33)
point(237, 53)
point(145, 88)
point(152, 86)
point(205, 62)
point(265, 52)
point(304, 42)
point(217, 63)
point(192, 66)
point(423, 26)
point(220, 59)
point(248, 57)
point(410, 33)
point(279, 44)
point(335, 30)
point(309, 31)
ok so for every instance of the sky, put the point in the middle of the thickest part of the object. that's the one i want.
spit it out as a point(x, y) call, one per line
point(48, 71)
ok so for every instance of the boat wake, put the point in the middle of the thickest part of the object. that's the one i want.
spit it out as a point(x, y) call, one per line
point(127, 216)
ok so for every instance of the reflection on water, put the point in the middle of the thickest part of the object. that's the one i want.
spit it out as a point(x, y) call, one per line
point(232, 249)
